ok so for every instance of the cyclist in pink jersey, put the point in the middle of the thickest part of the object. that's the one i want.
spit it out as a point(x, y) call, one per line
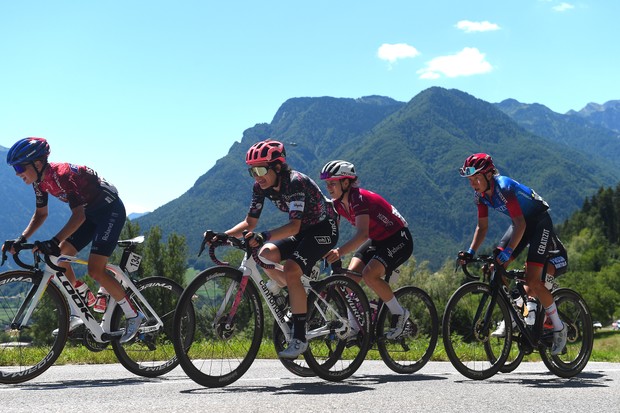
point(97, 216)
point(382, 240)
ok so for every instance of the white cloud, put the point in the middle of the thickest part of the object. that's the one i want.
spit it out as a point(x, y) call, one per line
point(467, 62)
point(469, 26)
point(393, 52)
point(563, 7)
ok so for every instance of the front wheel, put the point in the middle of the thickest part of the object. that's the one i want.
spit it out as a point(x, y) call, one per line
point(575, 315)
point(150, 353)
point(299, 366)
point(471, 314)
point(410, 351)
point(28, 351)
point(220, 342)
point(338, 328)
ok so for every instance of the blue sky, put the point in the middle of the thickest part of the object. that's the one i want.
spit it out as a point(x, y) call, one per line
point(151, 93)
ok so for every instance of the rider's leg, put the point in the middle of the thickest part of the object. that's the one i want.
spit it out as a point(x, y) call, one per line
point(272, 253)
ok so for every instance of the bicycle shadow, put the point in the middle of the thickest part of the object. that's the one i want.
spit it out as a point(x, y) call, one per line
point(95, 383)
point(357, 384)
point(548, 380)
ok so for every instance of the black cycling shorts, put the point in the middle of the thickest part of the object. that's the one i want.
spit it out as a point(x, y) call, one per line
point(310, 245)
point(391, 252)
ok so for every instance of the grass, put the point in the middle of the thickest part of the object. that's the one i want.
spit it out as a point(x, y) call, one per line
point(606, 348)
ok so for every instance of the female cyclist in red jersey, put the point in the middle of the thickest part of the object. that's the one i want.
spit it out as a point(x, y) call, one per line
point(382, 240)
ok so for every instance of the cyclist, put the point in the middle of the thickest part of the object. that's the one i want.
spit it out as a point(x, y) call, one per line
point(531, 224)
point(97, 215)
point(382, 240)
point(312, 229)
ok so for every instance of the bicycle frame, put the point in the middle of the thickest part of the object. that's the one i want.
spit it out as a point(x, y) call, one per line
point(100, 332)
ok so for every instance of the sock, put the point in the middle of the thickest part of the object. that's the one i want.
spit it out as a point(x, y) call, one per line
point(552, 313)
point(127, 308)
point(299, 327)
point(395, 307)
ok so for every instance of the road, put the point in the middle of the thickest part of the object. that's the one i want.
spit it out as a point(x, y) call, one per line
point(268, 387)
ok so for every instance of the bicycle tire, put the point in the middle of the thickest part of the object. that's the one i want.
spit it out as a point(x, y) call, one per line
point(575, 314)
point(463, 335)
point(515, 356)
point(212, 352)
point(299, 366)
point(414, 348)
point(150, 354)
point(30, 351)
point(328, 354)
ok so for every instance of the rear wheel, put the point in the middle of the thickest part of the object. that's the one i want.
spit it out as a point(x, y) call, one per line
point(412, 350)
point(150, 353)
point(466, 336)
point(575, 315)
point(214, 348)
point(28, 351)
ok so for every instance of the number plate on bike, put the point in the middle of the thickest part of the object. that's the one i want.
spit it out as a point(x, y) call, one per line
point(133, 263)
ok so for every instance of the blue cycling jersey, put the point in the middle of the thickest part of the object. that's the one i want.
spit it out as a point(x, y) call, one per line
point(511, 198)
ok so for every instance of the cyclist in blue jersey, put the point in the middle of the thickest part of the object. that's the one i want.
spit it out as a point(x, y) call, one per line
point(97, 216)
point(311, 231)
point(531, 225)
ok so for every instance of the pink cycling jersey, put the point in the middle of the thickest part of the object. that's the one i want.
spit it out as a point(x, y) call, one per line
point(385, 220)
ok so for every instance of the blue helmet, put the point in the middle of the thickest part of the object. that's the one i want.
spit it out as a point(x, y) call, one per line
point(27, 150)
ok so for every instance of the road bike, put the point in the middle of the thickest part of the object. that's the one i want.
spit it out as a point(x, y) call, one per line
point(35, 303)
point(477, 308)
point(218, 346)
point(410, 351)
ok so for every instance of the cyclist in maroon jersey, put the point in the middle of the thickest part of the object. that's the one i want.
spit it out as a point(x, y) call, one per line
point(312, 229)
point(97, 216)
point(382, 240)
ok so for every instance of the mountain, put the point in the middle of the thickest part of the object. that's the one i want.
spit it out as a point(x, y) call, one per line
point(577, 130)
point(606, 115)
point(135, 215)
point(408, 152)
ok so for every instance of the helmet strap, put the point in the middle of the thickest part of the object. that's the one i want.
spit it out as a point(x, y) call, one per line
point(39, 172)
point(343, 190)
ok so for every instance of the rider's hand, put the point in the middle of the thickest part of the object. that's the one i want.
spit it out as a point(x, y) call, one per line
point(333, 255)
point(504, 255)
point(49, 247)
point(258, 239)
point(465, 256)
point(9, 245)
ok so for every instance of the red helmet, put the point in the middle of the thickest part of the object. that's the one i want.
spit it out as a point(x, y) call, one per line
point(267, 151)
point(477, 163)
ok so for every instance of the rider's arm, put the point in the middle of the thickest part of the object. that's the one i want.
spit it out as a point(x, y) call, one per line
point(38, 218)
point(480, 233)
point(249, 223)
point(518, 220)
point(362, 223)
point(288, 230)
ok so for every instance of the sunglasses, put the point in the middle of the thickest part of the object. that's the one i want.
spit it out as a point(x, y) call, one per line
point(255, 171)
point(20, 168)
point(468, 171)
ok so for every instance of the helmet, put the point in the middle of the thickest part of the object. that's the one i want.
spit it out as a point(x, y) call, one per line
point(477, 163)
point(334, 170)
point(27, 150)
point(269, 151)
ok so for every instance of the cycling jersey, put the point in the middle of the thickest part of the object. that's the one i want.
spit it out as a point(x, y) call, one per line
point(74, 184)
point(385, 220)
point(299, 196)
point(511, 198)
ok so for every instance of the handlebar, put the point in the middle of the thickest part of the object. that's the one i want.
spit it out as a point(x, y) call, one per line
point(487, 261)
point(36, 254)
point(220, 238)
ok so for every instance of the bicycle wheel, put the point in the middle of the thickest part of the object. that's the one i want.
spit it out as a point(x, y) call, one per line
point(29, 351)
point(329, 354)
point(150, 354)
point(213, 349)
point(515, 356)
point(574, 313)
point(299, 366)
point(465, 336)
point(414, 348)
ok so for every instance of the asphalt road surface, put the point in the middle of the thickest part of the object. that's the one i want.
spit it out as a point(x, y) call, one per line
point(268, 387)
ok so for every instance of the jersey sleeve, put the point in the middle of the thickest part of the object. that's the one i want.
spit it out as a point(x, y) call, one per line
point(258, 202)
point(297, 200)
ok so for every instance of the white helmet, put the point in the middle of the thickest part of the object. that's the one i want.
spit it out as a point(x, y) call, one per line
point(335, 170)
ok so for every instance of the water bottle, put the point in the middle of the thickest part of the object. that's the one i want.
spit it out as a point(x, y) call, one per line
point(373, 308)
point(102, 300)
point(87, 296)
point(530, 318)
